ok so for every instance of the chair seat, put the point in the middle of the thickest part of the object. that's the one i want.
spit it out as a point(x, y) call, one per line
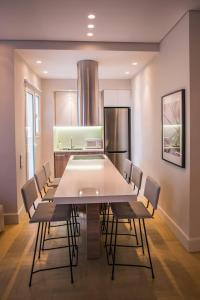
point(122, 210)
point(49, 196)
point(139, 210)
point(56, 180)
point(49, 212)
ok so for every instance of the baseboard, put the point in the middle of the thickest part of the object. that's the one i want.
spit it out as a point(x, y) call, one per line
point(190, 244)
point(13, 218)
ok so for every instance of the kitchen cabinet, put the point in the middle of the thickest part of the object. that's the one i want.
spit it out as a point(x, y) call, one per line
point(61, 160)
point(66, 108)
point(117, 98)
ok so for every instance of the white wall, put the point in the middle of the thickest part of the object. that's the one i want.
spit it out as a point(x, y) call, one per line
point(7, 134)
point(194, 126)
point(169, 71)
point(22, 72)
point(49, 86)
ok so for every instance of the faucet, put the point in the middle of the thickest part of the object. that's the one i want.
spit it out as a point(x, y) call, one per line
point(71, 143)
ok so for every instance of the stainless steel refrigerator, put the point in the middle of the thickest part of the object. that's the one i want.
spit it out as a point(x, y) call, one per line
point(117, 128)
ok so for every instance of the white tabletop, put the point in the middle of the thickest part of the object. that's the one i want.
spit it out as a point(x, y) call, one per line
point(92, 181)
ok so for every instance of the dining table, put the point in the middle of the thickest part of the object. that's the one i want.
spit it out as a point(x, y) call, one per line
point(92, 180)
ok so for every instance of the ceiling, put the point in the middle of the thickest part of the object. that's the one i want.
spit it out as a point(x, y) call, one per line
point(116, 20)
point(62, 63)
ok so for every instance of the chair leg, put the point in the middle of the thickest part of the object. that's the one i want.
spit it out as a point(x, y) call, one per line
point(136, 236)
point(41, 239)
point(72, 234)
point(35, 249)
point(111, 235)
point(70, 256)
point(147, 243)
point(44, 236)
point(114, 255)
point(107, 222)
point(141, 237)
point(129, 220)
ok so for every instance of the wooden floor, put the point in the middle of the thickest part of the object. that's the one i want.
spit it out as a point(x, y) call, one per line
point(177, 272)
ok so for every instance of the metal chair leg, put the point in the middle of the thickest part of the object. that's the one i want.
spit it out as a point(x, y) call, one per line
point(114, 255)
point(70, 256)
point(44, 236)
point(141, 237)
point(111, 235)
point(33, 261)
point(147, 243)
point(107, 222)
point(136, 236)
point(41, 238)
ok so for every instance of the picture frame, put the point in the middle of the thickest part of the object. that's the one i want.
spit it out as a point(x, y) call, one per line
point(173, 128)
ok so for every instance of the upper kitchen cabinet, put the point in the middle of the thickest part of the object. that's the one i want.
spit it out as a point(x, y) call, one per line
point(117, 98)
point(66, 108)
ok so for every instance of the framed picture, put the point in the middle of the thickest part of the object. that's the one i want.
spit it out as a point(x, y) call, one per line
point(173, 128)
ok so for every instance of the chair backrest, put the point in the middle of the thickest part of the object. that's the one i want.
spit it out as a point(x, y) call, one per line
point(127, 166)
point(41, 179)
point(47, 170)
point(152, 191)
point(136, 177)
point(29, 194)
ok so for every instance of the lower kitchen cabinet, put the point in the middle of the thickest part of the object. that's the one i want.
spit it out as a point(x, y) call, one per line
point(61, 160)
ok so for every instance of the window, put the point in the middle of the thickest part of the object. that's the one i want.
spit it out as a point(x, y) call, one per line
point(32, 130)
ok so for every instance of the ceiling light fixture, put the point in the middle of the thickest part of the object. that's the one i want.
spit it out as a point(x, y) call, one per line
point(134, 63)
point(38, 61)
point(45, 72)
point(89, 34)
point(90, 26)
point(91, 16)
point(127, 72)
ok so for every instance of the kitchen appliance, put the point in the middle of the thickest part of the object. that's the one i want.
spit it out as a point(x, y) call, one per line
point(88, 93)
point(117, 135)
point(94, 143)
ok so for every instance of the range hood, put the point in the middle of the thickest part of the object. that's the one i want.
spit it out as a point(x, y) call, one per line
point(88, 93)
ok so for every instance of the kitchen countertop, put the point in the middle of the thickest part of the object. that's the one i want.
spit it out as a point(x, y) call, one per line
point(92, 181)
point(83, 150)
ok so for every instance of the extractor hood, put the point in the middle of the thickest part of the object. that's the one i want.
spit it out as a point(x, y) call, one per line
point(88, 93)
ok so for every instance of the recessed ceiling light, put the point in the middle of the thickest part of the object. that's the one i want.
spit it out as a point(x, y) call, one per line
point(134, 63)
point(91, 26)
point(127, 72)
point(38, 61)
point(89, 34)
point(45, 72)
point(91, 16)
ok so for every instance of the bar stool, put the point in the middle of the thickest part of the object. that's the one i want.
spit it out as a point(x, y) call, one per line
point(47, 212)
point(50, 182)
point(127, 169)
point(105, 207)
point(46, 193)
point(136, 181)
point(135, 210)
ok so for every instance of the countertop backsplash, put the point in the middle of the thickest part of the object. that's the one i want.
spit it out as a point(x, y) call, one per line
point(74, 137)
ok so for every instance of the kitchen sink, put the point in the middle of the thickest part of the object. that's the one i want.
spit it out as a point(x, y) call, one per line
point(88, 157)
point(72, 149)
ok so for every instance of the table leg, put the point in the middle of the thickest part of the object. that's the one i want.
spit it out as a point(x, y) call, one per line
point(93, 231)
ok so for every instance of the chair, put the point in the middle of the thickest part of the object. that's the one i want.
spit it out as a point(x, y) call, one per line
point(136, 177)
point(47, 212)
point(47, 194)
point(105, 207)
point(135, 210)
point(50, 182)
point(127, 167)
